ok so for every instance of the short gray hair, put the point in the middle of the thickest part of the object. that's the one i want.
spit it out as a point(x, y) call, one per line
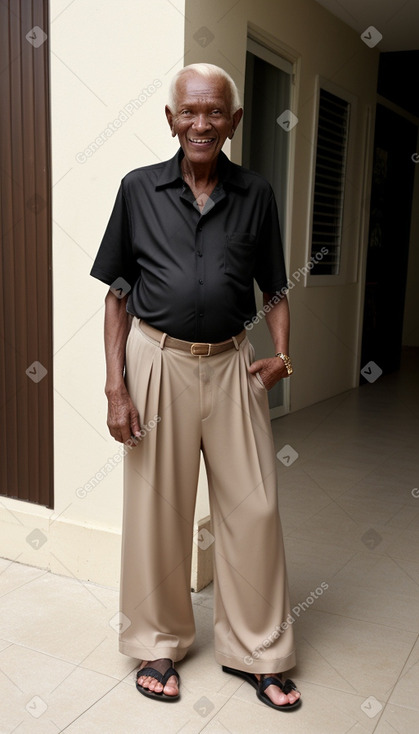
point(207, 71)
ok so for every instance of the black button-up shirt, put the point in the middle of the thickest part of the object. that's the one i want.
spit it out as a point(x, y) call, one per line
point(191, 272)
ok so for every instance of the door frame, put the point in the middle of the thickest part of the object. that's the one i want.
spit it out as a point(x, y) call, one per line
point(271, 52)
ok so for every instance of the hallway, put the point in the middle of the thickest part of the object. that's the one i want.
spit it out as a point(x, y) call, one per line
point(349, 499)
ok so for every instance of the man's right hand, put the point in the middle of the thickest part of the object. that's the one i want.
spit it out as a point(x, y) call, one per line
point(123, 417)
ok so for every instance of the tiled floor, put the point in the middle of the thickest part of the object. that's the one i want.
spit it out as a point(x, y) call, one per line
point(351, 520)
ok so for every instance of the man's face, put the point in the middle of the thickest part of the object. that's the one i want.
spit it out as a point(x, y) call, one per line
point(202, 119)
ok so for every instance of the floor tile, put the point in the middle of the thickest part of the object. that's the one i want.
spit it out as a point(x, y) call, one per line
point(374, 588)
point(398, 720)
point(405, 546)
point(125, 710)
point(15, 575)
point(204, 597)
point(405, 693)
point(322, 712)
point(326, 561)
point(334, 525)
point(43, 694)
point(345, 654)
point(65, 618)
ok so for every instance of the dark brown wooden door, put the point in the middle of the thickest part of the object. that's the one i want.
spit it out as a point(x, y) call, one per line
point(26, 418)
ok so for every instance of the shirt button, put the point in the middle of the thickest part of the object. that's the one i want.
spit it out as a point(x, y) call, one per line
point(201, 282)
point(201, 315)
point(199, 253)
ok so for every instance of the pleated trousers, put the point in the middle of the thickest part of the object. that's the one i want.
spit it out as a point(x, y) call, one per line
point(189, 404)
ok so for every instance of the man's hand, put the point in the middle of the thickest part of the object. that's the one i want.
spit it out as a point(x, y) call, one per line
point(123, 418)
point(271, 370)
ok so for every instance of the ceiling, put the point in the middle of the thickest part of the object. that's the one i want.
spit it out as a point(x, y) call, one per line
point(396, 20)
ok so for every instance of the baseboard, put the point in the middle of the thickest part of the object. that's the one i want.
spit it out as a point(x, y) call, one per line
point(66, 548)
point(82, 551)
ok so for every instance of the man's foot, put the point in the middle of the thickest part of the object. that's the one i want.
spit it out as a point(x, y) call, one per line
point(276, 694)
point(270, 689)
point(160, 679)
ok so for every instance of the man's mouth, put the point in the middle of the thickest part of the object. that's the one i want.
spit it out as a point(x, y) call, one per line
point(201, 141)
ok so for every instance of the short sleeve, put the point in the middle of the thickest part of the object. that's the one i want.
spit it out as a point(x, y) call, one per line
point(270, 272)
point(115, 258)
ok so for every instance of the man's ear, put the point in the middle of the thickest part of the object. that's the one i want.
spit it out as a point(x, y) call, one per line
point(237, 116)
point(169, 118)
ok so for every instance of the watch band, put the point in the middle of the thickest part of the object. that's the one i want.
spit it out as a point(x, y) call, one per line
point(287, 362)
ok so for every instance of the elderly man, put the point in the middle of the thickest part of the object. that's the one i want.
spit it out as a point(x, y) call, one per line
point(184, 242)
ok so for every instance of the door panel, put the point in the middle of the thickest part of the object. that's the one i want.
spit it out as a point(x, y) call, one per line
point(26, 445)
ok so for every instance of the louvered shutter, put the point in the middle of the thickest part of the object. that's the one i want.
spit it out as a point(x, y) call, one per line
point(329, 186)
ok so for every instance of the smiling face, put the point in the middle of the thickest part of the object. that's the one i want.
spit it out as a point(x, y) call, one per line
point(202, 118)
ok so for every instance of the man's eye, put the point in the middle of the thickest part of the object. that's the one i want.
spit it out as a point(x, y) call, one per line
point(185, 112)
point(216, 112)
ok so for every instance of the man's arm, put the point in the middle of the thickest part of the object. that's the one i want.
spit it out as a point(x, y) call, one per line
point(123, 418)
point(273, 369)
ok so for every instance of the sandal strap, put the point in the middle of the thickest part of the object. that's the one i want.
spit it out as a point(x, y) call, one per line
point(289, 685)
point(270, 680)
point(169, 672)
point(153, 673)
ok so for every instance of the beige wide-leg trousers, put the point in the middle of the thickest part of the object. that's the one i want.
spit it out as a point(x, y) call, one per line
point(188, 404)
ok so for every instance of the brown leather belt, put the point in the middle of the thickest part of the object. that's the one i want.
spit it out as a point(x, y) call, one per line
point(197, 349)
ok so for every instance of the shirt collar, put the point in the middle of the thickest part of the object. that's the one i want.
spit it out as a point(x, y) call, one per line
point(230, 174)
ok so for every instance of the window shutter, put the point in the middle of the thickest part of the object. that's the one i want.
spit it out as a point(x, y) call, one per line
point(329, 185)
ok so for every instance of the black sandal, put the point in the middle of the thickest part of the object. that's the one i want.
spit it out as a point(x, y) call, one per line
point(161, 677)
point(262, 684)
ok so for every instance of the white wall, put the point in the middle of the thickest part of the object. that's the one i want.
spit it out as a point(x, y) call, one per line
point(325, 338)
point(121, 50)
point(103, 54)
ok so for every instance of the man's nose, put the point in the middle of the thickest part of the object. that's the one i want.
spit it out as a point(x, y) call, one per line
point(201, 122)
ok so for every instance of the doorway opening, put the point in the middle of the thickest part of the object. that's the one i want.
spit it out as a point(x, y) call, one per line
point(389, 239)
point(266, 150)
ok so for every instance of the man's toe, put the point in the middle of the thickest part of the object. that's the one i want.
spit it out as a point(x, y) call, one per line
point(154, 685)
point(151, 682)
point(171, 687)
point(276, 695)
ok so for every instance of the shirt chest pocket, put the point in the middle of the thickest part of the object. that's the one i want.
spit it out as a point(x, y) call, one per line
point(240, 256)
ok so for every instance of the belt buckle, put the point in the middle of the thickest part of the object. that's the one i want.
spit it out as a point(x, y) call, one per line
point(198, 353)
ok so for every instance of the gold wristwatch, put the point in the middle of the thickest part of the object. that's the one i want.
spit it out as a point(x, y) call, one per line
point(287, 362)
